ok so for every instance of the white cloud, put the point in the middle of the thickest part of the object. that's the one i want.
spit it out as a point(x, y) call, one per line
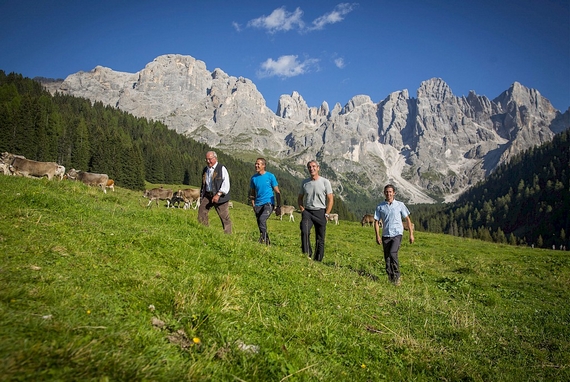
point(337, 15)
point(339, 62)
point(279, 20)
point(236, 26)
point(286, 66)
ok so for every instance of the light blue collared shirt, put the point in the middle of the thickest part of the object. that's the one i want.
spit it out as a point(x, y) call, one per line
point(391, 216)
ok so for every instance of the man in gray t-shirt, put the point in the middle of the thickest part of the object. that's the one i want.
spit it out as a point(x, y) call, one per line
point(315, 202)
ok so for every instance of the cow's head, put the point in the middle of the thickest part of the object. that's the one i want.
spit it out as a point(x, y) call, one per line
point(60, 171)
point(72, 174)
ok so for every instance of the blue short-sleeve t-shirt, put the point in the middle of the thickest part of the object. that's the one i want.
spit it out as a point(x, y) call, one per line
point(263, 184)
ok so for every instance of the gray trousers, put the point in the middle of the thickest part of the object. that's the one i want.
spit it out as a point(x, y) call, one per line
point(391, 246)
point(262, 213)
point(310, 218)
point(223, 211)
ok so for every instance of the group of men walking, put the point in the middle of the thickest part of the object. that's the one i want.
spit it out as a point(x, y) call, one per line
point(315, 201)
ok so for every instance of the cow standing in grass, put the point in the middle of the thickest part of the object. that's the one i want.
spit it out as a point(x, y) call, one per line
point(333, 218)
point(31, 168)
point(286, 210)
point(158, 194)
point(367, 219)
point(89, 178)
point(190, 197)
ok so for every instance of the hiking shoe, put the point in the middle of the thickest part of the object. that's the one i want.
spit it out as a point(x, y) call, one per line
point(397, 282)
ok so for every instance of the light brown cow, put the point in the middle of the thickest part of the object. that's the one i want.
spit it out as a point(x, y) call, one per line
point(287, 210)
point(89, 178)
point(367, 219)
point(405, 223)
point(158, 194)
point(111, 184)
point(333, 218)
point(31, 168)
point(189, 196)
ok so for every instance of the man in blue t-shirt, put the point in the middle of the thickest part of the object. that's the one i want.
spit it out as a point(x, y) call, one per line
point(262, 187)
point(391, 212)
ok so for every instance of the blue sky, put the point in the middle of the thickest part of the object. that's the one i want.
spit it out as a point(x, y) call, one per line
point(325, 50)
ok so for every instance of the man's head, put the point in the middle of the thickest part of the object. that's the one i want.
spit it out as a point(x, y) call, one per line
point(211, 158)
point(260, 164)
point(389, 192)
point(313, 168)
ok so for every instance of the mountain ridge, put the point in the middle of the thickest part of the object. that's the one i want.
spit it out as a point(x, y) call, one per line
point(433, 147)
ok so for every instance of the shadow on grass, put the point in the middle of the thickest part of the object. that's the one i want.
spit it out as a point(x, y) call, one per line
point(360, 272)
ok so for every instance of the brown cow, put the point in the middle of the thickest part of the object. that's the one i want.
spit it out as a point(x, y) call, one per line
point(31, 168)
point(89, 178)
point(405, 223)
point(111, 184)
point(189, 196)
point(287, 210)
point(158, 194)
point(367, 219)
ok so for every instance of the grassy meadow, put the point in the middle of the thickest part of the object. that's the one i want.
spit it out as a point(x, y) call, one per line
point(97, 287)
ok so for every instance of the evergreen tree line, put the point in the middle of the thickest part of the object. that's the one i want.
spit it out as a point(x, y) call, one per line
point(77, 133)
point(526, 201)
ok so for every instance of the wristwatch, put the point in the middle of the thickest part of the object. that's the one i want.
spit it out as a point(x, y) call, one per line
point(219, 194)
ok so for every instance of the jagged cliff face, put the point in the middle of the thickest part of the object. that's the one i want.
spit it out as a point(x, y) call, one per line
point(433, 146)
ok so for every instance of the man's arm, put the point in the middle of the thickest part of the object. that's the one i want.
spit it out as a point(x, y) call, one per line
point(330, 202)
point(300, 202)
point(377, 231)
point(277, 200)
point(225, 187)
point(252, 195)
point(411, 228)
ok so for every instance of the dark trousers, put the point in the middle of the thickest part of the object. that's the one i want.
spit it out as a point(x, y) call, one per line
point(308, 219)
point(262, 213)
point(223, 211)
point(391, 245)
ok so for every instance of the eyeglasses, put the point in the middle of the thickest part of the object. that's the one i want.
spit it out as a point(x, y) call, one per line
point(210, 159)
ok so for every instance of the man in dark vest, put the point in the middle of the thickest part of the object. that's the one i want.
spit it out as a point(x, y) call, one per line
point(215, 192)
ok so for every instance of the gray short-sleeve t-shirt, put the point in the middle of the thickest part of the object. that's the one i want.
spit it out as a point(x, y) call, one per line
point(315, 193)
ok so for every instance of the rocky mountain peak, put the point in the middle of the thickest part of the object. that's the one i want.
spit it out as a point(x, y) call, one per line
point(436, 89)
point(433, 146)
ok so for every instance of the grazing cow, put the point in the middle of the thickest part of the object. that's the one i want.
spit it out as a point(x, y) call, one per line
point(159, 194)
point(188, 196)
point(230, 204)
point(89, 178)
point(111, 184)
point(287, 210)
point(405, 223)
point(333, 218)
point(31, 168)
point(367, 219)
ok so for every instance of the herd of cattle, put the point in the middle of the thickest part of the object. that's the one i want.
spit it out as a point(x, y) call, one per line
point(18, 165)
point(12, 164)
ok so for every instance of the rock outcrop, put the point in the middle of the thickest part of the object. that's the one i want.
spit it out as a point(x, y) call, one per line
point(433, 146)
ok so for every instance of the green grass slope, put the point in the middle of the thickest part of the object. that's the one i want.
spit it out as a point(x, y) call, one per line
point(97, 287)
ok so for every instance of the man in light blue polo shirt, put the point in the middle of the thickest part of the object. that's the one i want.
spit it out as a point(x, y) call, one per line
point(391, 212)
